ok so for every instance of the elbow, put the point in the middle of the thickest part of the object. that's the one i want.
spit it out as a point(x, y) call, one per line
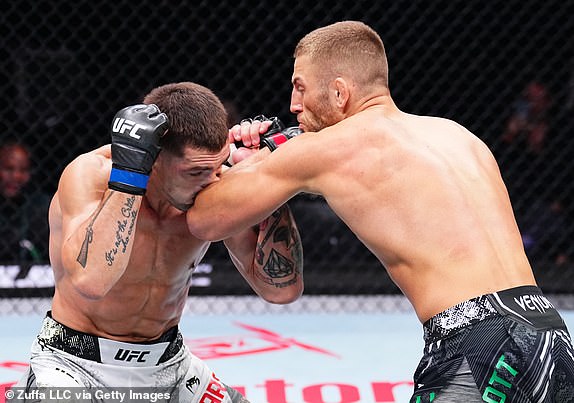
point(90, 289)
point(87, 286)
point(286, 296)
point(206, 235)
point(212, 231)
point(82, 282)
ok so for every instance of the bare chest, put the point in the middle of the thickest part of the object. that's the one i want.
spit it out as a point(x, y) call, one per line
point(164, 251)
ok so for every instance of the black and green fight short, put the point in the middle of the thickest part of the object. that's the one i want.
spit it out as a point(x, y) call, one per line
point(510, 346)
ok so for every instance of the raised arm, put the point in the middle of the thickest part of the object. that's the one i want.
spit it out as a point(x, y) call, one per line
point(97, 225)
point(97, 204)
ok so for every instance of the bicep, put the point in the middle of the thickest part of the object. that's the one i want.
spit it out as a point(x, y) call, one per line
point(246, 194)
point(80, 191)
point(297, 166)
point(271, 181)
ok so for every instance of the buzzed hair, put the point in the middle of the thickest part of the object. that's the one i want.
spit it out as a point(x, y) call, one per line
point(195, 114)
point(347, 48)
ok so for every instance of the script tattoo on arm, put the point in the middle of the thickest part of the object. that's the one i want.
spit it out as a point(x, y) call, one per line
point(82, 258)
point(124, 230)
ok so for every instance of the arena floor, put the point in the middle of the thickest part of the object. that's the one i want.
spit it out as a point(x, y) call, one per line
point(282, 357)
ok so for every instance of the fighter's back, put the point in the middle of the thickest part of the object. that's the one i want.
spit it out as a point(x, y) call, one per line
point(429, 201)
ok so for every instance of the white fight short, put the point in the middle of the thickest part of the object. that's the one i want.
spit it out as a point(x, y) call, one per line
point(65, 358)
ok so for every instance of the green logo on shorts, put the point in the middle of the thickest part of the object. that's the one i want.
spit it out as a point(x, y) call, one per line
point(493, 393)
point(431, 398)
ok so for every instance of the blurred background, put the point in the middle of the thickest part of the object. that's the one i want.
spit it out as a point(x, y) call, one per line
point(503, 69)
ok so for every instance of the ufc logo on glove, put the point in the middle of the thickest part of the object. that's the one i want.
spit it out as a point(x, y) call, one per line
point(121, 125)
point(136, 131)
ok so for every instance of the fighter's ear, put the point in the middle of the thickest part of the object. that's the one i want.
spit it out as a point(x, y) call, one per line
point(342, 93)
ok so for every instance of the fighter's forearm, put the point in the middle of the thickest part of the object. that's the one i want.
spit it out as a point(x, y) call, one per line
point(275, 265)
point(243, 197)
point(278, 260)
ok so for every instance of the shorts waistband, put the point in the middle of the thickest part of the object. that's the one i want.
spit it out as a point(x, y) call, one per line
point(525, 304)
point(529, 306)
point(89, 347)
point(459, 316)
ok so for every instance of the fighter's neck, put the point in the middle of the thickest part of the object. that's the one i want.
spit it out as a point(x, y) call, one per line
point(384, 102)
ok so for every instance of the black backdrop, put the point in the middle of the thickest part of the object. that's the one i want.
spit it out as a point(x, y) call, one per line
point(67, 66)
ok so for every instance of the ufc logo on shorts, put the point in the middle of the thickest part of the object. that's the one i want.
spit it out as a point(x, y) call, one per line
point(121, 125)
point(129, 355)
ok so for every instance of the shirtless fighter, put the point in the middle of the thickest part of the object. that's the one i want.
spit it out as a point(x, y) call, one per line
point(426, 197)
point(123, 256)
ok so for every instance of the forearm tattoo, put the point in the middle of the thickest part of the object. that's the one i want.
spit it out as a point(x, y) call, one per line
point(124, 230)
point(281, 271)
point(276, 216)
point(82, 258)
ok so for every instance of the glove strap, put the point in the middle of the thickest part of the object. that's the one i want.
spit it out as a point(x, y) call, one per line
point(274, 141)
point(136, 180)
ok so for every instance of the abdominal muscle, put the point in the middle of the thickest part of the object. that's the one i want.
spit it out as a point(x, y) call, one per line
point(134, 312)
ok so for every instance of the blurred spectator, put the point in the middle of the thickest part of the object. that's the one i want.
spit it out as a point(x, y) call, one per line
point(528, 125)
point(23, 210)
point(534, 161)
point(546, 230)
point(524, 144)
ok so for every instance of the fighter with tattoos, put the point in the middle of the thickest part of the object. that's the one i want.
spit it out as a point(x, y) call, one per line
point(123, 255)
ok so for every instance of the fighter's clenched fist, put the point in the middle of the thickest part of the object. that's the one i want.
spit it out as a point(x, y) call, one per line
point(259, 132)
point(136, 131)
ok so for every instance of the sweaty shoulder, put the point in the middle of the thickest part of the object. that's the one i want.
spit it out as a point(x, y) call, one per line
point(316, 162)
point(86, 177)
point(450, 135)
point(90, 164)
point(437, 129)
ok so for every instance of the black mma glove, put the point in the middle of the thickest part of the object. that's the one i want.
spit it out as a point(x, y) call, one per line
point(274, 140)
point(276, 135)
point(136, 131)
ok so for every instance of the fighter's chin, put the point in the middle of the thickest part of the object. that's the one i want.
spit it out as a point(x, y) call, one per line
point(184, 206)
point(311, 127)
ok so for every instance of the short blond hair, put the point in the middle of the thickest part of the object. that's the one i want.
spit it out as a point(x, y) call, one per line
point(347, 48)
